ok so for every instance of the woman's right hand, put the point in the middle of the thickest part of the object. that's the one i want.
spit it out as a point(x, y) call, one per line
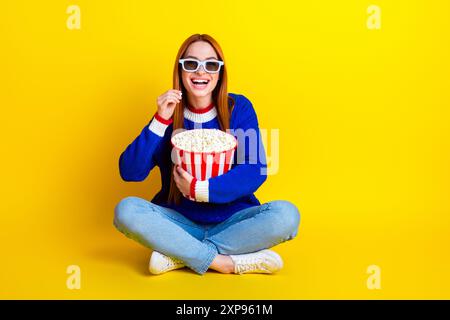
point(167, 103)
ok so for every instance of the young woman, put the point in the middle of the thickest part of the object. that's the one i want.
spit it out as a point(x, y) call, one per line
point(225, 227)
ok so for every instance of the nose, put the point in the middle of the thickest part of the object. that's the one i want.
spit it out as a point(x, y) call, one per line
point(201, 70)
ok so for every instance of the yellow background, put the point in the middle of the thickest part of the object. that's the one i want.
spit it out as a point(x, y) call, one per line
point(364, 142)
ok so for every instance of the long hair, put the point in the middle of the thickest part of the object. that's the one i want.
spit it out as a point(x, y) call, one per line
point(223, 103)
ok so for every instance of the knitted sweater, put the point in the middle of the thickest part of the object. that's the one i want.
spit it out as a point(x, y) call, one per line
point(216, 198)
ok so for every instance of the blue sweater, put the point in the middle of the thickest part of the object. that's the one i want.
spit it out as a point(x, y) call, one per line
point(216, 198)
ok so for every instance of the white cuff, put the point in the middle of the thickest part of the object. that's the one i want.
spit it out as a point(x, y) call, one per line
point(158, 127)
point(202, 191)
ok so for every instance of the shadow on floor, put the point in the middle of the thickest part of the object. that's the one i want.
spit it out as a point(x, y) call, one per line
point(133, 257)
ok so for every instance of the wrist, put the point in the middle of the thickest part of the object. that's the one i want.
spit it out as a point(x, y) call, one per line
point(158, 125)
point(201, 190)
point(163, 118)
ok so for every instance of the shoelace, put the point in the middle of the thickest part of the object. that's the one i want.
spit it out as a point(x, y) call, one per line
point(249, 264)
point(172, 262)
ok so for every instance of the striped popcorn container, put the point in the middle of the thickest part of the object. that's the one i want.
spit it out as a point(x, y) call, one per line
point(204, 165)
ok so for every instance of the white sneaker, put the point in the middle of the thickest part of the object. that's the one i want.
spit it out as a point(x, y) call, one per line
point(160, 263)
point(263, 261)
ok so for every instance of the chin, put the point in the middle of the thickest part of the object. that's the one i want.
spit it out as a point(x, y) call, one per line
point(197, 93)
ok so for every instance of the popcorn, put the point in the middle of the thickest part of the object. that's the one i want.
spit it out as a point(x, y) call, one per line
point(204, 140)
point(204, 153)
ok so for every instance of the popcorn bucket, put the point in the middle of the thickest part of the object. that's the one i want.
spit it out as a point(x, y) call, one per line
point(204, 165)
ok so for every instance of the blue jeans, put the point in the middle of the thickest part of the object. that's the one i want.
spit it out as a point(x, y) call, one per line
point(169, 232)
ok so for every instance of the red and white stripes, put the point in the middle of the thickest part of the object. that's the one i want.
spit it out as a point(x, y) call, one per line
point(203, 166)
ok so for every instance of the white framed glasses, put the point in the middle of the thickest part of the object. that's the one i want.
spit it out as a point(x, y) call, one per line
point(192, 65)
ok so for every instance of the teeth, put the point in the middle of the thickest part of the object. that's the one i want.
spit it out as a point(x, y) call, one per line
point(200, 81)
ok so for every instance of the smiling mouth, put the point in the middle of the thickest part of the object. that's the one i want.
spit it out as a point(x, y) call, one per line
point(199, 84)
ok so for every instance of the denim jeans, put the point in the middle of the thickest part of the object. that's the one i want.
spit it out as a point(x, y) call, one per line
point(169, 232)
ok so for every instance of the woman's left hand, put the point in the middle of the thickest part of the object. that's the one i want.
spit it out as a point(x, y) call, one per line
point(182, 179)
